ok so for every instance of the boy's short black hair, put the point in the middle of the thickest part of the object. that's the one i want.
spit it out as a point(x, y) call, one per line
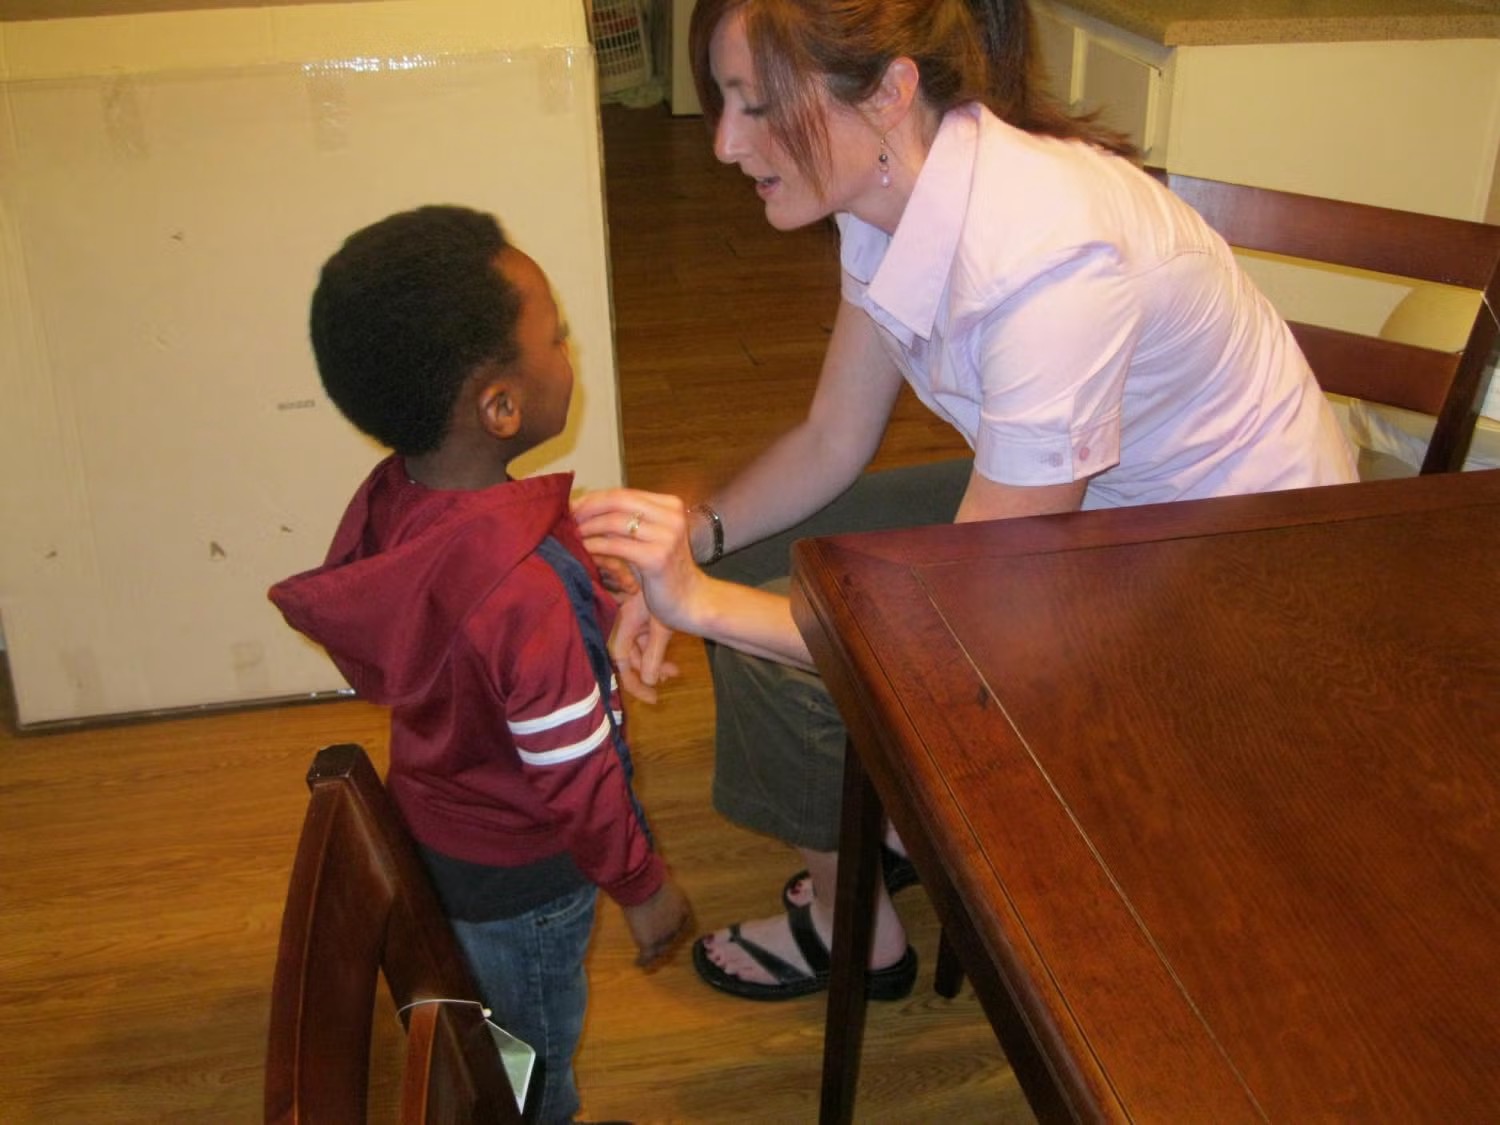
point(403, 313)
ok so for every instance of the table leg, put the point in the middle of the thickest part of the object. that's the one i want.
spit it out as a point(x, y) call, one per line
point(860, 830)
point(949, 977)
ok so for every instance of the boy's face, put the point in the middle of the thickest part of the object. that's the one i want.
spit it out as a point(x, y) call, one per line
point(543, 363)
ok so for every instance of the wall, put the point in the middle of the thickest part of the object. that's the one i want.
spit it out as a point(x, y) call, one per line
point(170, 183)
point(684, 96)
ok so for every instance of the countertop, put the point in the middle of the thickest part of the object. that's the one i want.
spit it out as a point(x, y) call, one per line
point(1174, 23)
point(18, 10)
point(1182, 23)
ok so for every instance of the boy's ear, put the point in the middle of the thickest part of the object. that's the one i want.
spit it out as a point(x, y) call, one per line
point(499, 409)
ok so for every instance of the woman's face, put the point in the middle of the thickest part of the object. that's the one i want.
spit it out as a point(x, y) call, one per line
point(744, 137)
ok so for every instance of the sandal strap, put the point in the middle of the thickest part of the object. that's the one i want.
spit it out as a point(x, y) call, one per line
point(809, 944)
point(780, 970)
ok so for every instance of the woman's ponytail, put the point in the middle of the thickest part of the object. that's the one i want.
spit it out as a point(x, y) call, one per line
point(1015, 95)
point(1006, 36)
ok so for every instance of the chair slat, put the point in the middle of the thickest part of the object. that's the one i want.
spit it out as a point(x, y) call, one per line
point(1403, 243)
point(1386, 371)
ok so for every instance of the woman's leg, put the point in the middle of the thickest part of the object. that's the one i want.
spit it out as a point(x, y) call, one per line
point(530, 972)
point(780, 740)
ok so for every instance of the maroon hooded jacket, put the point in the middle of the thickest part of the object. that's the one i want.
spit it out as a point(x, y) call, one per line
point(453, 609)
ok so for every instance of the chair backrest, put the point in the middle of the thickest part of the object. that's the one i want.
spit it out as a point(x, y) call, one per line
point(1450, 386)
point(360, 906)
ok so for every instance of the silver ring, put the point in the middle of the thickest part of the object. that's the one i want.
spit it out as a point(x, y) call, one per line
point(635, 524)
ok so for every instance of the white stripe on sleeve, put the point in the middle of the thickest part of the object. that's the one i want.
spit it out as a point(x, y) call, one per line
point(563, 715)
point(567, 753)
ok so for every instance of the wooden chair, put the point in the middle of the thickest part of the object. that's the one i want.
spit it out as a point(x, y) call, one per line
point(1448, 385)
point(360, 906)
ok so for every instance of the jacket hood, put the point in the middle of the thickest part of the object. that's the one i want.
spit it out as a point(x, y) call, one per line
point(407, 566)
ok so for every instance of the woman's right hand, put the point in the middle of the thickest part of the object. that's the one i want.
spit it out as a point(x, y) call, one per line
point(648, 530)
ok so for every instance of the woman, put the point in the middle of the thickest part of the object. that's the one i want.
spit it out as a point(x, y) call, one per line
point(1089, 336)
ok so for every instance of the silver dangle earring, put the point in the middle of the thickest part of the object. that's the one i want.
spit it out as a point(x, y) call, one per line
point(885, 165)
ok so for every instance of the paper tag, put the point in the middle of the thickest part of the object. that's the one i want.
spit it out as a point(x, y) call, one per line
point(517, 1057)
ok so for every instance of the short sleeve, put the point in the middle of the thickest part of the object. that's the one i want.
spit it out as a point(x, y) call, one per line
point(1052, 363)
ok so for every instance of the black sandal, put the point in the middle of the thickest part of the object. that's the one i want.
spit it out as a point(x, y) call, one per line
point(894, 982)
point(898, 871)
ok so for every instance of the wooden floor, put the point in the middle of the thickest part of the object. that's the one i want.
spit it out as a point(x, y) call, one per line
point(142, 866)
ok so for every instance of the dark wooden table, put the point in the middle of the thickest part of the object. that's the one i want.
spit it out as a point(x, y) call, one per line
point(1206, 795)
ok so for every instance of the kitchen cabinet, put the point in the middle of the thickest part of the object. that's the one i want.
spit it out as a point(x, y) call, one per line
point(1410, 123)
point(1092, 68)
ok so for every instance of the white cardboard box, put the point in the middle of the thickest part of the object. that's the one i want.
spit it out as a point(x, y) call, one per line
point(170, 183)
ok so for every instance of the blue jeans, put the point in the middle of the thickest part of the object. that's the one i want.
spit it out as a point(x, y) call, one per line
point(530, 972)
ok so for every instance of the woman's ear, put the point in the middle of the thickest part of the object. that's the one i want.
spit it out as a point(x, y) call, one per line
point(499, 408)
point(897, 91)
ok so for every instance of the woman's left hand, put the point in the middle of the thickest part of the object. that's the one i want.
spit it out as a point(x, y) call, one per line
point(639, 647)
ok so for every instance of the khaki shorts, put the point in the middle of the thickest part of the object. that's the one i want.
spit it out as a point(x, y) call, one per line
point(779, 753)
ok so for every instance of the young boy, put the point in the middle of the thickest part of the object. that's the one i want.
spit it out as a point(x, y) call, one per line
point(464, 601)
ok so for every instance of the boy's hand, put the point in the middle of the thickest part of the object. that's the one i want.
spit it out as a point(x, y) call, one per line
point(659, 923)
point(616, 576)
